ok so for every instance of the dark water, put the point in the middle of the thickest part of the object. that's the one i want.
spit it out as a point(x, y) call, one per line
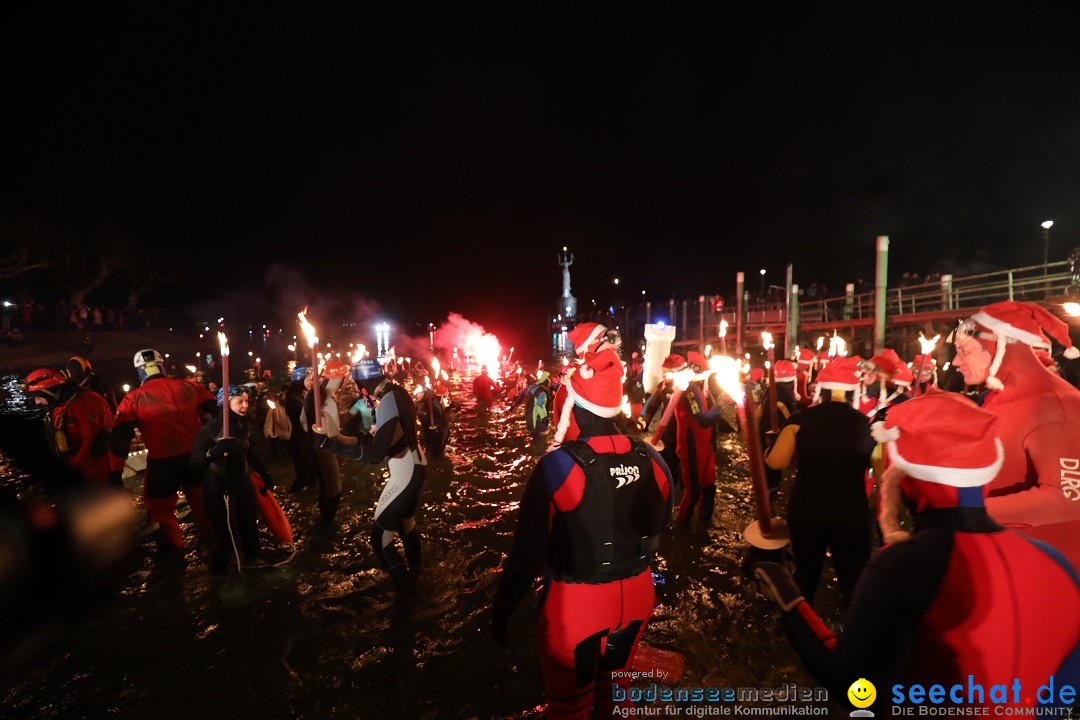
point(326, 636)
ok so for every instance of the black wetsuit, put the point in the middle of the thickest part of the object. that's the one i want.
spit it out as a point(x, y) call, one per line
point(229, 477)
point(299, 448)
point(828, 509)
point(435, 426)
point(394, 442)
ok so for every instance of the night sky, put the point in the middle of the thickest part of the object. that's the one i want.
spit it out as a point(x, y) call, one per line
point(437, 160)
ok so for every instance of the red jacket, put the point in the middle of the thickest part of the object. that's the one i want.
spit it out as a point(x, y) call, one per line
point(168, 413)
point(85, 419)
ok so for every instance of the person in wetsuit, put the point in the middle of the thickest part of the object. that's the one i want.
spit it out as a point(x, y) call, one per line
point(300, 449)
point(78, 423)
point(484, 388)
point(658, 402)
point(962, 601)
point(328, 471)
point(828, 510)
point(225, 464)
point(168, 413)
point(537, 400)
point(785, 376)
point(395, 443)
point(431, 414)
point(696, 423)
point(589, 522)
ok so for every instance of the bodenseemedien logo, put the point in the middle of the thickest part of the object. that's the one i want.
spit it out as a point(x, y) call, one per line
point(862, 694)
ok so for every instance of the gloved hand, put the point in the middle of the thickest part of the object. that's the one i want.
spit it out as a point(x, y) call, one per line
point(775, 582)
point(222, 448)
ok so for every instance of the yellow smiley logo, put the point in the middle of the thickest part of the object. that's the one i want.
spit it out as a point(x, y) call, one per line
point(862, 693)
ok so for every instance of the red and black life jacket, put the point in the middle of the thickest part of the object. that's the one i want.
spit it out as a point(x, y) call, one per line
point(612, 533)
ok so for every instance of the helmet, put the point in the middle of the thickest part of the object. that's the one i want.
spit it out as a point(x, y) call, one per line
point(148, 356)
point(234, 391)
point(149, 363)
point(45, 382)
point(335, 370)
point(78, 369)
point(367, 369)
point(299, 373)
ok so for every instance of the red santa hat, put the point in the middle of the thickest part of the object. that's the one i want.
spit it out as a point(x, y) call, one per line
point(942, 438)
point(887, 362)
point(840, 374)
point(757, 375)
point(697, 361)
point(784, 371)
point(595, 386)
point(1020, 322)
point(903, 376)
point(674, 363)
point(807, 356)
point(586, 337)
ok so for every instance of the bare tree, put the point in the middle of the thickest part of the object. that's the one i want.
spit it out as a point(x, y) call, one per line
point(17, 256)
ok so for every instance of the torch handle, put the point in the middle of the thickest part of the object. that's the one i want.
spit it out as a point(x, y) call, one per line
point(665, 419)
point(225, 396)
point(315, 387)
point(748, 421)
point(918, 376)
point(774, 418)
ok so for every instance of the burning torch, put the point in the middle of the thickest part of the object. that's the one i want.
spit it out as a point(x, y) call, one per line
point(224, 343)
point(313, 342)
point(774, 418)
point(766, 532)
point(927, 348)
point(681, 381)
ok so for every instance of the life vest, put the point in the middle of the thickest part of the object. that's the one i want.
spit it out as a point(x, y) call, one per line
point(534, 415)
point(614, 530)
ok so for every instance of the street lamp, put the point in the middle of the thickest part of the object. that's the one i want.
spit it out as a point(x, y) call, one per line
point(1047, 224)
point(762, 271)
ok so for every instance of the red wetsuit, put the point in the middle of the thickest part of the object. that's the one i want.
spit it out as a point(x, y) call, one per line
point(85, 418)
point(697, 461)
point(591, 616)
point(168, 413)
point(1038, 488)
point(964, 597)
point(483, 388)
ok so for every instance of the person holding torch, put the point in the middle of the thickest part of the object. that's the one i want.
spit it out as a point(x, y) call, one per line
point(828, 510)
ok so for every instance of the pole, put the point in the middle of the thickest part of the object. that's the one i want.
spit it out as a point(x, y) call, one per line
point(671, 312)
point(701, 321)
point(740, 281)
point(648, 312)
point(787, 309)
point(849, 301)
point(880, 288)
point(1046, 250)
point(791, 336)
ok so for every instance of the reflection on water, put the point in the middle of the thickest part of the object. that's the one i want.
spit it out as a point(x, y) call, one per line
point(327, 637)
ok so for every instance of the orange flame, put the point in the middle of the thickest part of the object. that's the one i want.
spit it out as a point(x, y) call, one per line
point(308, 328)
point(727, 370)
point(766, 341)
point(435, 366)
point(270, 403)
point(928, 345)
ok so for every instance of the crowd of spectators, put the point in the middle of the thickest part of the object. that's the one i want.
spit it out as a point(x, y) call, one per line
point(17, 319)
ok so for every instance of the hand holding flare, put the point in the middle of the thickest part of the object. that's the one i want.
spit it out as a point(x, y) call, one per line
point(313, 342)
point(927, 348)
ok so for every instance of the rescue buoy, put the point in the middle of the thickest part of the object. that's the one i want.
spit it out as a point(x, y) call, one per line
point(270, 511)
